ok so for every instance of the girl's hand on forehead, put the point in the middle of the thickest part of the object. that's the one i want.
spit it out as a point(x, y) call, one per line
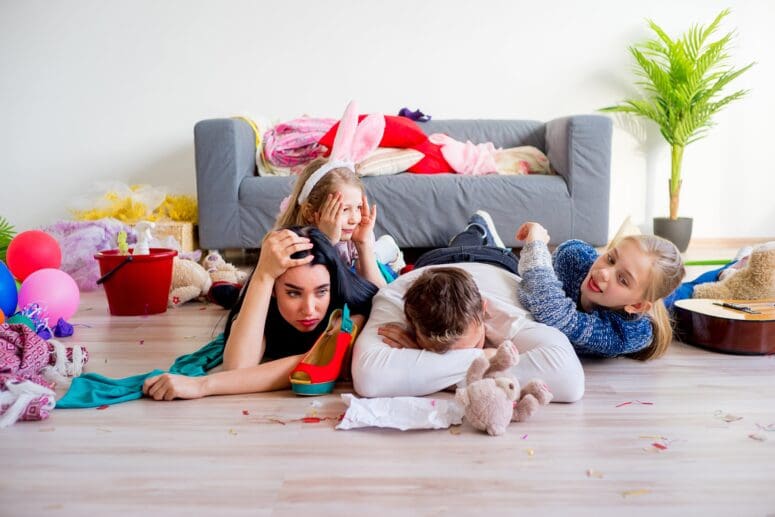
point(276, 250)
point(330, 217)
point(364, 232)
point(530, 232)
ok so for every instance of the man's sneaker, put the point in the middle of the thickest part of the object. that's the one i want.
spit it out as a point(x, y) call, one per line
point(491, 237)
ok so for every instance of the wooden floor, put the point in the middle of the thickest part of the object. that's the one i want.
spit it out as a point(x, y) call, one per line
point(681, 435)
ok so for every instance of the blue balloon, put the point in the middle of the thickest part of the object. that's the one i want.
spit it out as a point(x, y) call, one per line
point(8, 292)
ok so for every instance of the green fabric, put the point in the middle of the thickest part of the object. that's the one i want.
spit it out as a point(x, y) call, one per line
point(18, 318)
point(93, 389)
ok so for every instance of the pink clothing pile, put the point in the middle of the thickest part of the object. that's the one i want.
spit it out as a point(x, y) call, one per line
point(295, 142)
point(27, 363)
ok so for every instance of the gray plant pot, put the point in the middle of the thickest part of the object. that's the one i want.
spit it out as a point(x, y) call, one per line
point(677, 231)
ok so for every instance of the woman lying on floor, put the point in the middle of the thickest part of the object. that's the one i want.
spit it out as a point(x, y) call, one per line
point(286, 305)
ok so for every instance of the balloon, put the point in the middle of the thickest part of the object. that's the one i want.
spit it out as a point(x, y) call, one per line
point(54, 290)
point(8, 296)
point(30, 251)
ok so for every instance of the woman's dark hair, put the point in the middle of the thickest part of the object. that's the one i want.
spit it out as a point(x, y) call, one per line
point(346, 286)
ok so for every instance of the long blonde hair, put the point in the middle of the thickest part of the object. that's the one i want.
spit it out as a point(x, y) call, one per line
point(301, 215)
point(667, 272)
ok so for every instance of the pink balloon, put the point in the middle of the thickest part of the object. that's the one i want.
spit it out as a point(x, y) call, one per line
point(30, 251)
point(54, 290)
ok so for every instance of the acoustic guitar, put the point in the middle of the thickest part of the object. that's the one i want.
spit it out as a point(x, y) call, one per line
point(730, 326)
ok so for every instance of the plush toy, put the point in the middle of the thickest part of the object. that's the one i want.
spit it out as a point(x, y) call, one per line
point(221, 271)
point(492, 398)
point(227, 280)
point(754, 281)
point(189, 281)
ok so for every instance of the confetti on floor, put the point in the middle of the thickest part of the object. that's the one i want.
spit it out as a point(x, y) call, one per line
point(727, 417)
point(454, 429)
point(104, 406)
point(642, 403)
point(531, 452)
point(769, 427)
point(232, 432)
point(757, 437)
point(524, 437)
point(592, 473)
point(142, 341)
point(660, 446)
point(245, 412)
point(636, 493)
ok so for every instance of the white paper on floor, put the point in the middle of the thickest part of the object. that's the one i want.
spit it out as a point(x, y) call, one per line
point(400, 413)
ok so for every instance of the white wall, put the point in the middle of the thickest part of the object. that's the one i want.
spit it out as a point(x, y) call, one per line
point(100, 90)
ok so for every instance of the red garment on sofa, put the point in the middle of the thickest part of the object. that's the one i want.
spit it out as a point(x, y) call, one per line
point(403, 133)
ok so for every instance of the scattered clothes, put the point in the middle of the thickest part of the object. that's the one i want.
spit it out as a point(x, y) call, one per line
point(95, 390)
point(295, 142)
point(29, 369)
point(417, 116)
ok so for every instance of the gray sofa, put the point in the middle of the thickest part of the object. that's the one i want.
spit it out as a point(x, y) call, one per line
point(237, 207)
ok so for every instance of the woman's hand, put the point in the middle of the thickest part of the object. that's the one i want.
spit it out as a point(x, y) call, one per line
point(168, 386)
point(530, 232)
point(396, 336)
point(329, 218)
point(276, 251)
point(364, 232)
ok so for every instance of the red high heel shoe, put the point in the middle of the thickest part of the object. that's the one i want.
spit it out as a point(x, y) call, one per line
point(318, 371)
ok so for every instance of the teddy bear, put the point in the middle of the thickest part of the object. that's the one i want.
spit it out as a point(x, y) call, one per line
point(189, 281)
point(754, 281)
point(492, 397)
point(227, 280)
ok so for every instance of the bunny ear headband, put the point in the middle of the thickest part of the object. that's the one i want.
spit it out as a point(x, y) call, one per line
point(353, 142)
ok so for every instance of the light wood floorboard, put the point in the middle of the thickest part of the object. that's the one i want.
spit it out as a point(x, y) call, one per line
point(201, 457)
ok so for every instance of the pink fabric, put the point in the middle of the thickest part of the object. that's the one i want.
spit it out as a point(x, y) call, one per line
point(466, 158)
point(296, 142)
point(23, 355)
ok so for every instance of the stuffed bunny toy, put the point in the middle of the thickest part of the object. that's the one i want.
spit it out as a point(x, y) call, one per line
point(492, 397)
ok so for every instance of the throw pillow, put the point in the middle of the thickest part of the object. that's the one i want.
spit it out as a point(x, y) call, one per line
point(388, 160)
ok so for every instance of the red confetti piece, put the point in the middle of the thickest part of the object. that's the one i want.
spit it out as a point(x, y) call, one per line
point(142, 341)
point(659, 446)
point(104, 406)
point(635, 402)
point(245, 412)
point(310, 420)
point(202, 308)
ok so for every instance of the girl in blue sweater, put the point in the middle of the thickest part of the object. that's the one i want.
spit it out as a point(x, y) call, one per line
point(608, 305)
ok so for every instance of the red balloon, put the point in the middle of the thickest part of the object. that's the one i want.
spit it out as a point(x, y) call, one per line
point(30, 251)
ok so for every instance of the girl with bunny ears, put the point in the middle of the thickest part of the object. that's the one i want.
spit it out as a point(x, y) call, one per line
point(330, 195)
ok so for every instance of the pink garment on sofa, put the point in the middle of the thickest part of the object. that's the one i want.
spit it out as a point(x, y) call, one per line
point(466, 158)
point(296, 142)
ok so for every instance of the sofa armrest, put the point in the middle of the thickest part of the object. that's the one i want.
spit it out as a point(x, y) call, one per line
point(579, 148)
point(225, 152)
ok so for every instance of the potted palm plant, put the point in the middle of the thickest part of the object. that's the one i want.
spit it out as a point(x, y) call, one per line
point(682, 80)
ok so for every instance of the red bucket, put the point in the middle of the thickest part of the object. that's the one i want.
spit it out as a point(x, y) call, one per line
point(136, 284)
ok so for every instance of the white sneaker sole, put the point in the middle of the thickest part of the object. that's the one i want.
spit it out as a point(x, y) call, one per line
point(491, 228)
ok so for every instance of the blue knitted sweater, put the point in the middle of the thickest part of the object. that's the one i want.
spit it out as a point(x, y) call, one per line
point(551, 291)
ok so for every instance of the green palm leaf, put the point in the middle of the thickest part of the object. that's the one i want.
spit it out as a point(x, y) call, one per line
point(7, 232)
point(681, 79)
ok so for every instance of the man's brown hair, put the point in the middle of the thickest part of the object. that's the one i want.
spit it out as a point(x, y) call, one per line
point(441, 305)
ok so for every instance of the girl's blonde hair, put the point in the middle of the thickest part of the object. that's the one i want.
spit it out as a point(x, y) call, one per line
point(301, 215)
point(667, 272)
